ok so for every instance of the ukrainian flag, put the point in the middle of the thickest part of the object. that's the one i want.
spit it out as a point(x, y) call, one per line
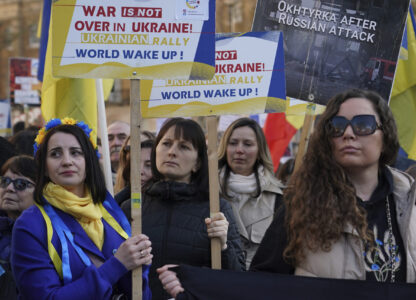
point(403, 96)
point(65, 97)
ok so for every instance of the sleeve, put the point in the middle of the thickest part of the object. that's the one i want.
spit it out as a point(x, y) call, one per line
point(35, 273)
point(232, 257)
point(269, 255)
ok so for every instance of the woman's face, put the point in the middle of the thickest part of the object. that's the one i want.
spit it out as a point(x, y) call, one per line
point(242, 150)
point(353, 152)
point(65, 162)
point(176, 159)
point(145, 165)
point(16, 196)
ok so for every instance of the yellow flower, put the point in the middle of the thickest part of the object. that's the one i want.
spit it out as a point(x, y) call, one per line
point(40, 136)
point(69, 121)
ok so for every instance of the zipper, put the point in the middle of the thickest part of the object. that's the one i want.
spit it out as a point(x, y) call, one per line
point(167, 225)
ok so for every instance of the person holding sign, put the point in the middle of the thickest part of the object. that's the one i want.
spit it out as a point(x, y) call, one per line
point(348, 214)
point(176, 213)
point(74, 243)
point(247, 181)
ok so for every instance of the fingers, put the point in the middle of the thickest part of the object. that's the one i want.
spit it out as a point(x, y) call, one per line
point(165, 267)
point(169, 280)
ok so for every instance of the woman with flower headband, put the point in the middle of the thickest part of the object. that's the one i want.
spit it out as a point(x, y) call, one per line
point(74, 244)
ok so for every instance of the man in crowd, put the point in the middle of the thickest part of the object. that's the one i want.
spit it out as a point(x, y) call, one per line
point(118, 131)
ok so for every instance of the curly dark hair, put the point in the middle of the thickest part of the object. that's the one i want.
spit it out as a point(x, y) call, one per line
point(320, 199)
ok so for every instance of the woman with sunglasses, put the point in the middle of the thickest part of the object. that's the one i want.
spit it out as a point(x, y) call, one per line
point(74, 243)
point(17, 184)
point(347, 214)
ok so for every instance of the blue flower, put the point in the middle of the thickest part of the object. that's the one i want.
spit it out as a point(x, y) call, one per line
point(379, 242)
point(397, 259)
point(84, 127)
point(98, 154)
point(53, 123)
point(35, 149)
point(375, 267)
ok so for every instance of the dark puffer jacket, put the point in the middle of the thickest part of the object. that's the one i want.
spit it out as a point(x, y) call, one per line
point(173, 218)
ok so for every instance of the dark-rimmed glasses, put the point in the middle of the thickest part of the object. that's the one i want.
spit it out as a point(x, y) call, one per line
point(19, 184)
point(361, 125)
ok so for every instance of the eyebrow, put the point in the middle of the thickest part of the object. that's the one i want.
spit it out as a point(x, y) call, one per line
point(60, 147)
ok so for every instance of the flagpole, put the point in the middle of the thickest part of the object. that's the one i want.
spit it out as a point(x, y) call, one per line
point(135, 177)
point(304, 137)
point(214, 203)
point(102, 123)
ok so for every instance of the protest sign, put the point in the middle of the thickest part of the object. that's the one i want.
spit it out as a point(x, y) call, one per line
point(5, 126)
point(332, 46)
point(24, 86)
point(246, 81)
point(134, 39)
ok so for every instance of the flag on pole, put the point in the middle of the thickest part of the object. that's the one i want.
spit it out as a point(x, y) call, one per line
point(65, 97)
point(403, 96)
point(278, 132)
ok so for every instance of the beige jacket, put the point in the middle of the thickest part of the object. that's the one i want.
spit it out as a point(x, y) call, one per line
point(345, 260)
point(254, 215)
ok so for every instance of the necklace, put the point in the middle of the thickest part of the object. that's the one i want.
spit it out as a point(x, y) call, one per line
point(392, 247)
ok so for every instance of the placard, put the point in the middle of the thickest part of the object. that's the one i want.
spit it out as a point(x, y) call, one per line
point(24, 85)
point(133, 39)
point(246, 81)
point(331, 46)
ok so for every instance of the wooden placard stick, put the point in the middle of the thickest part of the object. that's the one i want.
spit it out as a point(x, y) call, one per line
point(135, 178)
point(304, 137)
point(214, 202)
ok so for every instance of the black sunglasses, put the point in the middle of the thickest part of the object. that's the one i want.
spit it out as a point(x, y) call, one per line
point(361, 125)
point(19, 183)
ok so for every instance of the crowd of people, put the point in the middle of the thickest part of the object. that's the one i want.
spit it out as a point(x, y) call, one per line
point(345, 213)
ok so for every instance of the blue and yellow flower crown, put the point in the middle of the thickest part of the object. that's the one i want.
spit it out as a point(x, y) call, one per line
point(65, 121)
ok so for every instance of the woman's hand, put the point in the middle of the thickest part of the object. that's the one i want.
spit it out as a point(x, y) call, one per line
point(169, 280)
point(217, 227)
point(135, 251)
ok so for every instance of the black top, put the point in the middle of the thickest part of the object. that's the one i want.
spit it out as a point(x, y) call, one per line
point(269, 255)
point(378, 267)
point(173, 217)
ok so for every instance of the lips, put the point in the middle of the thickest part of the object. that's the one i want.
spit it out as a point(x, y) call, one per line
point(170, 163)
point(67, 173)
point(349, 149)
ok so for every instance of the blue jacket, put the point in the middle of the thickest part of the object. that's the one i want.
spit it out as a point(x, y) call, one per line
point(35, 274)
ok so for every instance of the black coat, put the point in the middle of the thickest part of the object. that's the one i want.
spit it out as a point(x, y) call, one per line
point(173, 217)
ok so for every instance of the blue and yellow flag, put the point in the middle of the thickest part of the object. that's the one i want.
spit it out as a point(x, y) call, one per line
point(403, 96)
point(65, 97)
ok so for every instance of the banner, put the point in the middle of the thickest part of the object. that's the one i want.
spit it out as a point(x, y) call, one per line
point(332, 46)
point(246, 81)
point(24, 86)
point(207, 284)
point(134, 39)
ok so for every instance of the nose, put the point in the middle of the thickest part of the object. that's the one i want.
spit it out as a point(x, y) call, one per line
point(172, 149)
point(66, 158)
point(239, 148)
point(10, 187)
point(349, 133)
